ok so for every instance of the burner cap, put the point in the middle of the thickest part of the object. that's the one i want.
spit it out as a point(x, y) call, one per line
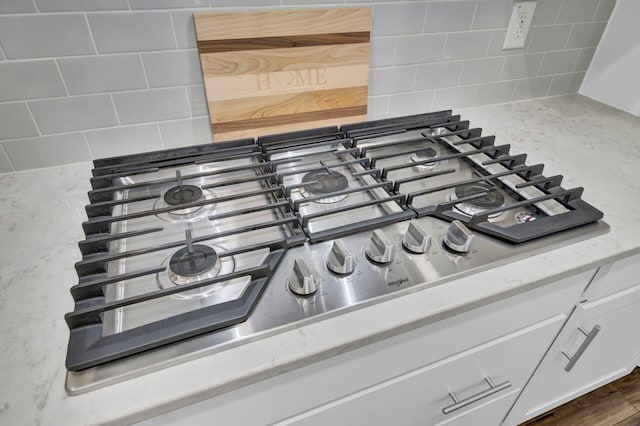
point(187, 263)
point(324, 182)
point(493, 198)
point(425, 154)
point(182, 194)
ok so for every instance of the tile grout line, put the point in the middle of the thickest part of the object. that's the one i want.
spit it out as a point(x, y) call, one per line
point(173, 29)
point(93, 42)
point(575, 63)
point(86, 141)
point(129, 4)
point(566, 43)
point(555, 21)
point(33, 118)
point(553, 78)
point(6, 154)
point(473, 19)
point(36, 6)
point(3, 54)
point(115, 110)
point(593, 18)
point(160, 134)
point(144, 71)
point(424, 20)
point(64, 83)
point(186, 91)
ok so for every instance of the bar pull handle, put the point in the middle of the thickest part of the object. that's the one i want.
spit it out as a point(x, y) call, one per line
point(458, 404)
point(583, 347)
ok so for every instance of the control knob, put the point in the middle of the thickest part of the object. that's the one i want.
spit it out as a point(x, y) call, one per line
point(341, 260)
point(379, 249)
point(303, 280)
point(416, 240)
point(458, 237)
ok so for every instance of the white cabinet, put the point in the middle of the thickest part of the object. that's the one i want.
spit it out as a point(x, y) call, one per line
point(599, 343)
point(478, 385)
point(407, 378)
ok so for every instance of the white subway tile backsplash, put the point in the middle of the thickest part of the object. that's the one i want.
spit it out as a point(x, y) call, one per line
point(586, 35)
point(167, 4)
point(481, 70)
point(132, 31)
point(5, 164)
point(438, 74)
point(197, 101)
point(566, 83)
point(47, 151)
point(124, 140)
point(73, 113)
point(382, 51)
point(377, 107)
point(604, 10)
point(17, 6)
point(466, 45)
point(419, 49)
point(97, 74)
point(393, 19)
point(521, 66)
point(38, 36)
point(584, 59)
point(492, 14)
point(410, 103)
point(454, 97)
point(29, 80)
point(151, 105)
point(107, 67)
point(80, 5)
point(548, 38)
point(449, 16)
point(546, 12)
point(577, 11)
point(494, 93)
point(536, 87)
point(383, 81)
point(559, 62)
point(192, 131)
point(172, 68)
point(15, 121)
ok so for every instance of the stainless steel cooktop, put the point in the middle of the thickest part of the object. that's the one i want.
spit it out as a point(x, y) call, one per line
point(192, 251)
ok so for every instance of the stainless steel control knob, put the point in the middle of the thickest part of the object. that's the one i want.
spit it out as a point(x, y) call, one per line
point(379, 249)
point(341, 260)
point(416, 239)
point(458, 237)
point(303, 280)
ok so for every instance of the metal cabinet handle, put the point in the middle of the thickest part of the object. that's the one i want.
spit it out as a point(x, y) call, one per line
point(493, 388)
point(583, 347)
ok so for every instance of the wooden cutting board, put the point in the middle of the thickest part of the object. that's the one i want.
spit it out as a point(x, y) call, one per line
point(279, 71)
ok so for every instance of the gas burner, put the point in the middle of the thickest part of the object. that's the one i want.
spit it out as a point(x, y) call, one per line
point(321, 182)
point(425, 154)
point(493, 198)
point(194, 263)
point(181, 195)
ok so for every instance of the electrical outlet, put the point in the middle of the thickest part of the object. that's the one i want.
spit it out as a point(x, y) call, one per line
point(519, 24)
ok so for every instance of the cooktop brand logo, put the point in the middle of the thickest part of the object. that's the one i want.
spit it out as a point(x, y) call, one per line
point(398, 282)
point(280, 80)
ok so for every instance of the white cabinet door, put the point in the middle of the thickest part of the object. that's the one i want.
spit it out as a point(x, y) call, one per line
point(483, 380)
point(599, 343)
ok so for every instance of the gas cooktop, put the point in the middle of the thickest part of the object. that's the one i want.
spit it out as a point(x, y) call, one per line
point(194, 250)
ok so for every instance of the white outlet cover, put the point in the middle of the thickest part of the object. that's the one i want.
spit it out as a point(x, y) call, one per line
point(519, 24)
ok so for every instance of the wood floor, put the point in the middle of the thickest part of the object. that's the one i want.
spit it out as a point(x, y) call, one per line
point(616, 404)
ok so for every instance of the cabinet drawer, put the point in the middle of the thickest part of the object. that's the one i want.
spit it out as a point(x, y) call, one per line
point(614, 277)
point(476, 377)
point(598, 344)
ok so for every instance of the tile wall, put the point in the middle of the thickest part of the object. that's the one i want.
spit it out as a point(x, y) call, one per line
point(83, 79)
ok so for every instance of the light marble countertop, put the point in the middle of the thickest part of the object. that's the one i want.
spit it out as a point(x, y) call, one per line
point(592, 145)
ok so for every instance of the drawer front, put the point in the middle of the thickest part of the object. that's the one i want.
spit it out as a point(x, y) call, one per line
point(443, 391)
point(599, 343)
point(614, 277)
